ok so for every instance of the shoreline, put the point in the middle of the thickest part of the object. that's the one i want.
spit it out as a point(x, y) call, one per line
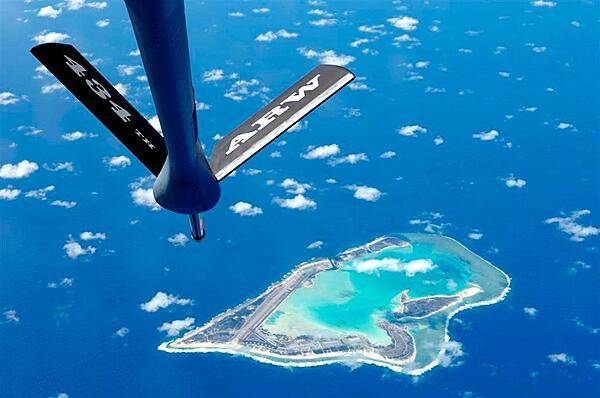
point(362, 357)
point(329, 358)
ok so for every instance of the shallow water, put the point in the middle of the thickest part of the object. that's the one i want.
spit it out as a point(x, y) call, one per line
point(351, 300)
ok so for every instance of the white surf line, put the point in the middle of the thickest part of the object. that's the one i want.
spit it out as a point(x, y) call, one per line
point(501, 297)
point(365, 357)
point(308, 360)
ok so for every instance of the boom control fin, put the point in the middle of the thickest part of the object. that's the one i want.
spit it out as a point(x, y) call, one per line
point(277, 117)
point(101, 98)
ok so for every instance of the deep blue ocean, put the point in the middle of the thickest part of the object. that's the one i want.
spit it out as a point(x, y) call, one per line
point(63, 339)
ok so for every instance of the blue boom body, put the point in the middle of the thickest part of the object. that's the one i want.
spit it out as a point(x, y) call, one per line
point(186, 183)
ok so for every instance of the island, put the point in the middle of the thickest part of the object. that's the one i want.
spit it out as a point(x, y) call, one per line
point(386, 303)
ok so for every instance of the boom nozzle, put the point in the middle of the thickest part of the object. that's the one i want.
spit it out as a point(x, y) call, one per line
point(197, 227)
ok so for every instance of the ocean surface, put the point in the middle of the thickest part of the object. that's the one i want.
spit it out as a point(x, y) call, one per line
point(60, 335)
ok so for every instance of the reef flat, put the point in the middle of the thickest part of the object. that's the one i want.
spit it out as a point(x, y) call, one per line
point(386, 303)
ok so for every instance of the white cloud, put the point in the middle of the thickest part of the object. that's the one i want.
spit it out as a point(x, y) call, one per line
point(489, 136)
point(87, 235)
point(262, 10)
point(178, 239)
point(77, 135)
point(39, 193)
point(123, 89)
point(103, 23)
point(324, 22)
point(449, 354)
point(412, 130)
point(127, 70)
point(513, 182)
point(438, 140)
point(64, 282)
point(318, 11)
point(9, 193)
point(410, 268)
point(387, 155)
point(67, 166)
point(242, 89)
point(364, 192)
point(163, 300)
point(569, 225)
point(22, 169)
point(155, 122)
point(11, 316)
point(359, 85)
point(202, 106)
point(51, 88)
point(74, 250)
point(543, 3)
point(175, 327)
point(352, 158)
point(472, 32)
point(359, 42)
point(29, 130)
point(284, 34)
point(321, 152)
point(236, 14)
point(7, 98)
point(566, 126)
point(245, 209)
point(213, 75)
point(315, 245)
point(270, 35)
point(49, 11)
point(251, 172)
point(475, 235)
point(294, 187)
point(74, 5)
point(122, 332)
point(374, 29)
point(298, 126)
point(428, 222)
point(562, 358)
point(42, 72)
point(145, 197)
point(327, 56)
point(50, 37)
point(538, 49)
point(64, 203)
point(352, 112)
point(578, 322)
point(530, 311)
point(298, 202)
point(117, 162)
point(404, 23)
point(331, 181)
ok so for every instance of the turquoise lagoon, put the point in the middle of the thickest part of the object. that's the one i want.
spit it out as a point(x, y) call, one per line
point(351, 299)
